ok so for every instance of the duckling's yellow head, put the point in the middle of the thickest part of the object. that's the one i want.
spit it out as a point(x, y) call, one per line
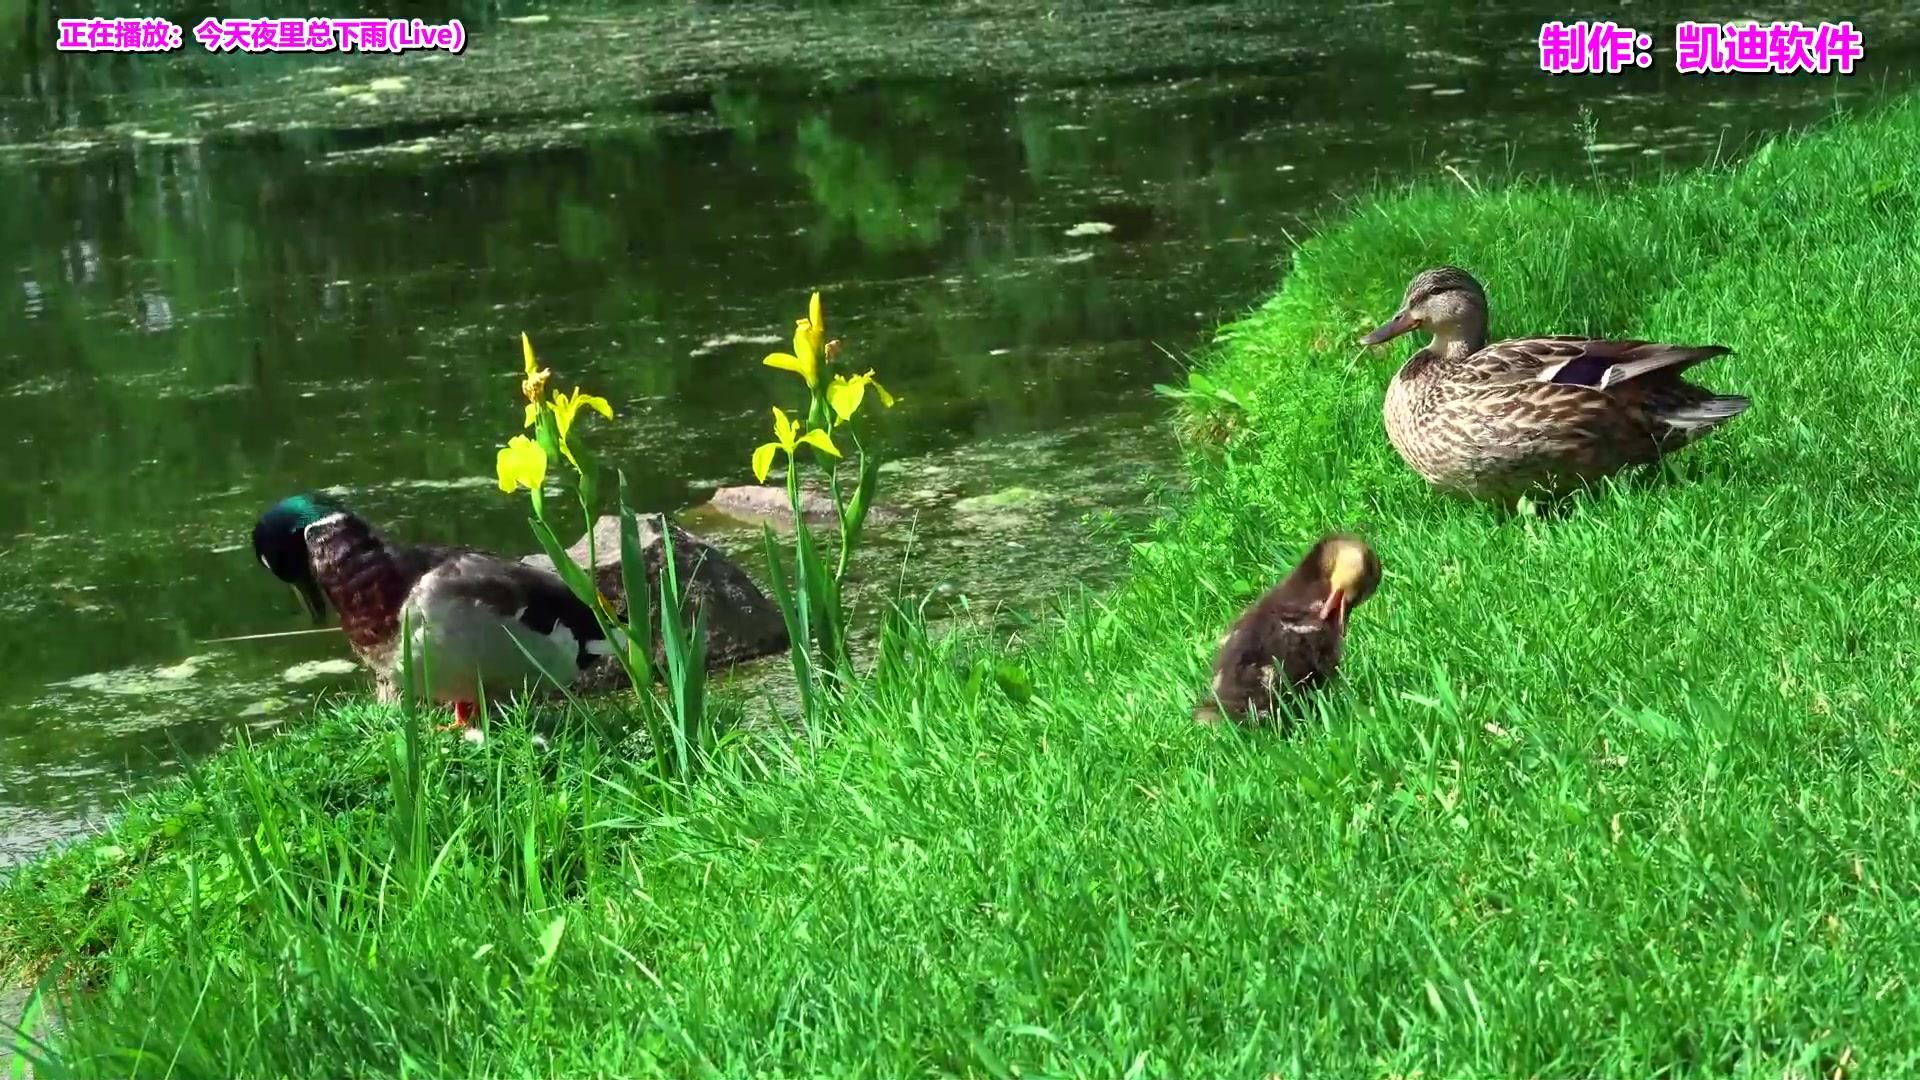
point(1351, 571)
point(1447, 302)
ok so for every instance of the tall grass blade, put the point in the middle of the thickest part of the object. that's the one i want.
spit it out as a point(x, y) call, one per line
point(686, 666)
point(821, 593)
point(633, 582)
point(853, 517)
point(794, 613)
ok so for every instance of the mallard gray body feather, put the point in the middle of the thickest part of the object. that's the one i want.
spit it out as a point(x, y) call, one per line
point(476, 621)
point(497, 620)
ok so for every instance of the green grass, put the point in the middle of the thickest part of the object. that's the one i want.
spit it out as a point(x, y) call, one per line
point(1624, 791)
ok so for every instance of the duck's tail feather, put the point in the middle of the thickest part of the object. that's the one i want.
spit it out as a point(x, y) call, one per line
point(1690, 419)
point(608, 646)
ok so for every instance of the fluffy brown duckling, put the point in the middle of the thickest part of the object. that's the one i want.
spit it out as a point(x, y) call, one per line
point(1290, 640)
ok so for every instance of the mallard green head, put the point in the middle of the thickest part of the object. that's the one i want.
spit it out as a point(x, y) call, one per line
point(280, 543)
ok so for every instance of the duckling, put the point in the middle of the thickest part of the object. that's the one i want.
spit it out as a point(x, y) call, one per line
point(1491, 421)
point(471, 612)
point(1290, 640)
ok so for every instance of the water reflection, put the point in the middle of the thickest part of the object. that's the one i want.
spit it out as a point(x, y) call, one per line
point(228, 282)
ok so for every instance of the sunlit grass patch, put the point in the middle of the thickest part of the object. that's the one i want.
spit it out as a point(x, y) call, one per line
point(1623, 791)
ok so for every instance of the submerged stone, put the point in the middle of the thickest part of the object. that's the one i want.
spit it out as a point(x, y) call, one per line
point(1012, 498)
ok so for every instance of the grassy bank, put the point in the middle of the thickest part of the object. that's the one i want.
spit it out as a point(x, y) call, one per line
point(1624, 791)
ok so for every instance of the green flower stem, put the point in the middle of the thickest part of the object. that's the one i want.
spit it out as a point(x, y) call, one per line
point(849, 528)
point(588, 497)
point(839, 515)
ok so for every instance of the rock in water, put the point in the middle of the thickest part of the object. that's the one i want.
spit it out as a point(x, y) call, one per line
point(742, 622)
point(768, 502)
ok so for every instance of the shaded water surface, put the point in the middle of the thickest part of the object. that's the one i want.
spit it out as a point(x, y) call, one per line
point(227, 279)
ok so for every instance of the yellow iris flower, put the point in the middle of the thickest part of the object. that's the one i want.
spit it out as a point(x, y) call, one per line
point(535, 382)
point(566, 406)
point(815, 324)
point(787, 438)
point(846, 394)
point(809, 339)
point(521, 463)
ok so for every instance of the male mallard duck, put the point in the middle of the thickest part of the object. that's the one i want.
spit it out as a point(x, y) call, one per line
point(471, 613)
point(1490, 421)
point(1290, 640)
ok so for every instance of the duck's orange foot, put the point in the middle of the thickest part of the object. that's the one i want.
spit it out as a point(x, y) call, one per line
point(462, 715)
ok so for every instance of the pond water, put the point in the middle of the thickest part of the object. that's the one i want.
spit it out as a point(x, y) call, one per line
point(231, 278)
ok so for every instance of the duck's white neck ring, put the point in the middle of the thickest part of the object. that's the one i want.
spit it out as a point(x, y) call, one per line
point(331, 519)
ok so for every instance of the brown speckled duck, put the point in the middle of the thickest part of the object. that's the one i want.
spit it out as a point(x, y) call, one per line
point(1291, 639)
point(1491, 421)
point(476, 617)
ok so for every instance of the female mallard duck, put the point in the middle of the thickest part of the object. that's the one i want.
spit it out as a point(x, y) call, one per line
point(1491, 421)
point(476, 618)
point(1291, 639)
